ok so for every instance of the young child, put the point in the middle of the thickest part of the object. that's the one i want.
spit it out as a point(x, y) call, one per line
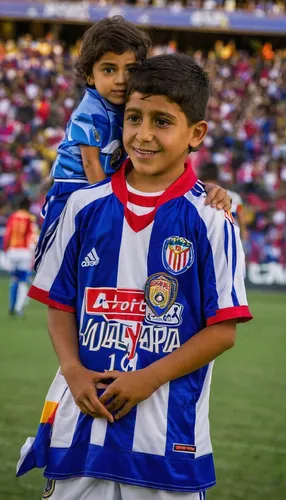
point(145, 287)
point(92, 147)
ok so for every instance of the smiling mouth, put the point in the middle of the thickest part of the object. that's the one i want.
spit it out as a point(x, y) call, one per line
point(144, 153)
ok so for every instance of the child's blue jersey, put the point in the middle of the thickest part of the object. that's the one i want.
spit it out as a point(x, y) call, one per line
point(98, 123)
point(140, 287)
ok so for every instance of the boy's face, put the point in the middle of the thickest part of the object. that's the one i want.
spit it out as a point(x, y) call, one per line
point(157, 135)
point(110, 74)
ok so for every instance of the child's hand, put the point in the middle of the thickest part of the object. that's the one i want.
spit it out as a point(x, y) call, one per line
point(82, 383)
point(127, 390)
point(217, 197)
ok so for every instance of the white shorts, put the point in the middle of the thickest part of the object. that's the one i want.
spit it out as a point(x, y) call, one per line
point(85, 488)
point(20, 259)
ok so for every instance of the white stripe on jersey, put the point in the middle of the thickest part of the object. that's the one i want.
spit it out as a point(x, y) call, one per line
point(202, 426)
point(65, 422)
point(150, 434)
point(240, 270)
point(98, 431)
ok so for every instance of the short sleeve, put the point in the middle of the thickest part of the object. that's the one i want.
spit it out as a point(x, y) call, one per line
point(222, 266)
point(88, 130)
point(55, 283)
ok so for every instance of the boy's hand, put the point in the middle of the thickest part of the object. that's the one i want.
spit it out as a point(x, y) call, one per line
point(217, 197)
point(82, 383)
point(127, 390)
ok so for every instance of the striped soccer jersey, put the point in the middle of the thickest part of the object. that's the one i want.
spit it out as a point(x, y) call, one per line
point(98, 123)
point(156, 280)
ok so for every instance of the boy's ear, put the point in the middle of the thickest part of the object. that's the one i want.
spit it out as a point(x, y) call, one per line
point(90, 80)
point(198, 131)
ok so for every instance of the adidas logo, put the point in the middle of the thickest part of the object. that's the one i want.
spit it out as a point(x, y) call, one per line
point(91, 259)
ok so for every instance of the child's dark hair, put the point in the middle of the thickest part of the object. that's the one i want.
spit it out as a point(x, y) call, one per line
point(208, 172)
point(110, 35)
point(25, 203)
point(177, 77)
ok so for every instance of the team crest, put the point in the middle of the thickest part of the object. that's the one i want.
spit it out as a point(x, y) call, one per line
point(160, 293)
point(49, 489)
point(178, 254)
point(96, 134)
point(116, 157)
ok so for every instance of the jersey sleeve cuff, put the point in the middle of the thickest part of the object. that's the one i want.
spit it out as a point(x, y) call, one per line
point(43, 296)
point(241, 313)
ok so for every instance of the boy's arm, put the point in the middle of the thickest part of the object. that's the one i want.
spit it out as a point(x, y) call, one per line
point(91, 164)
point(129, 389)
point(81, 381)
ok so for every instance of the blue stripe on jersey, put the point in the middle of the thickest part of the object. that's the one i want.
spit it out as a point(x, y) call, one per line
point(234, 260)
point(131, 467)
point(119, 435)
point(226, 241)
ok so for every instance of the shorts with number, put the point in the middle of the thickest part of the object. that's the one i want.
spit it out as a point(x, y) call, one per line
point(85, 488)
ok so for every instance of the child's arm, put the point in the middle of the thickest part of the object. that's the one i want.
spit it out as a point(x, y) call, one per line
point(81, 381)
point(91, 164)
point(217, 197)
point(130, 388)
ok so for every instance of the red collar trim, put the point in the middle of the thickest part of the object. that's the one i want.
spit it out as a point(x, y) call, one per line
point(141, 200)
point(182, 185)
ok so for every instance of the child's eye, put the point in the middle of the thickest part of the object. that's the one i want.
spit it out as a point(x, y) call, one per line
point(132, 69)
point(133, 118)
point(108, 70)
point(162, 123)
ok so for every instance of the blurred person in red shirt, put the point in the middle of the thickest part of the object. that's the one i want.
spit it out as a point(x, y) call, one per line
point(19, 243)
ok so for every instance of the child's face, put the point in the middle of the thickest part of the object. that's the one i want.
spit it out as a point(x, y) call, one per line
point(110, 75)
point(157, 135)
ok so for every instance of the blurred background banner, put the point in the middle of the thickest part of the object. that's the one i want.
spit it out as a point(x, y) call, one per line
point(241, 44)
point(173, 16)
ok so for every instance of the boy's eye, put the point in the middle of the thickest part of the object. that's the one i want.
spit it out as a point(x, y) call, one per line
point(162, 122)
point(108, 70)
point(132, 118)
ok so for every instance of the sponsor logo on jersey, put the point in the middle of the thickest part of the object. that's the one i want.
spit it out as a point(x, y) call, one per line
point(96, 134)
point(177, 254)
point(184, 448)
point(113, 303)
point(91, 259)
point(172, 317)
point(49, 489)
point(160, 292)
point(117, 336)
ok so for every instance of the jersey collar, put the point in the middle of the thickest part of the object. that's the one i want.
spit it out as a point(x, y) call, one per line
point(108, 105)
point(182, 185)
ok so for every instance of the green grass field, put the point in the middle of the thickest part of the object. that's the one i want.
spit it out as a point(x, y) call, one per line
point(248, 404)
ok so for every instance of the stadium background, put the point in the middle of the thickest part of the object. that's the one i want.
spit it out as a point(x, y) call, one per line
point(243, 47)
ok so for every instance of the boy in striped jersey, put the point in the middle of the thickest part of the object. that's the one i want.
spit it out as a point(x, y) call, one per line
point(144, 284)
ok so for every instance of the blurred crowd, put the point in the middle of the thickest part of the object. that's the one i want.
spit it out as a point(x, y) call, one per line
point(247, 128)
point(271, 7)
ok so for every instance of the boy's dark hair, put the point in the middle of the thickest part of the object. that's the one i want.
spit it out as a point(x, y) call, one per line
point(177, 77)
point(208, 172)
point(25, 203)
point(110, 35)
